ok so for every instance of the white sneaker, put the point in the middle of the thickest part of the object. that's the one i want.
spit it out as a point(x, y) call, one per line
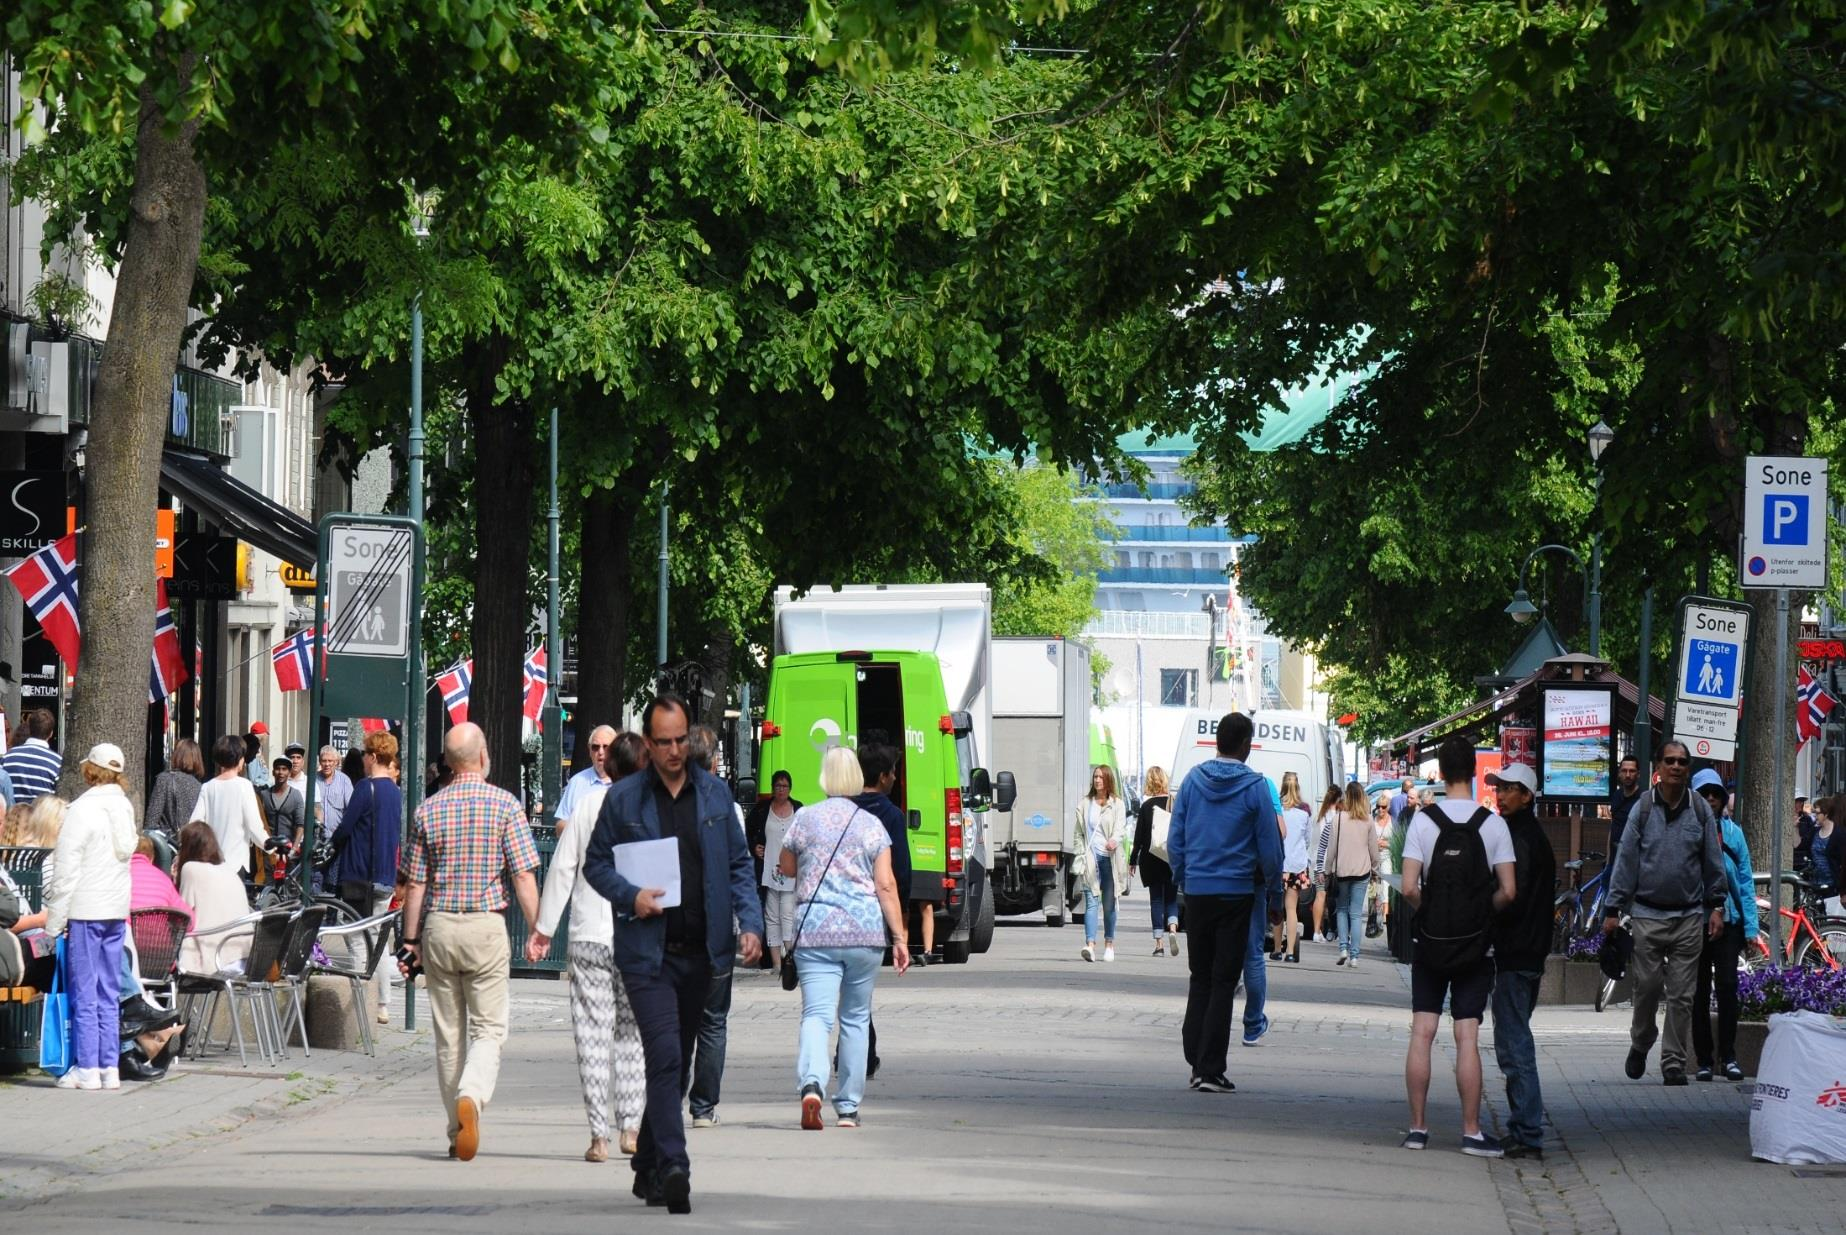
point(1089, 951)
point(69, 1079)
point(1352, 962)
point(111, 1078)
point(81, 1078)
point(1172, 941)
point(1108, 952)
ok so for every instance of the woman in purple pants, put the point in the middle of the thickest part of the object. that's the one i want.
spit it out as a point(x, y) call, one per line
point(89, 894)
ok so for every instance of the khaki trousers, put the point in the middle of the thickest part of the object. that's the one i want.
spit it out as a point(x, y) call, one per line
point(1664, 968)
point(465, 962)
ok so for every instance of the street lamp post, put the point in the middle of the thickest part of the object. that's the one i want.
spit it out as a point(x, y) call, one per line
point(1600, 437)
point(421, 206)
point(1522, 610)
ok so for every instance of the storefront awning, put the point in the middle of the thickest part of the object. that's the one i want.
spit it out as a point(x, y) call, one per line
point(237, 509)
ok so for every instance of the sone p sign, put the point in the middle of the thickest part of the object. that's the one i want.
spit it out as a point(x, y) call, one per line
point(1785, 522)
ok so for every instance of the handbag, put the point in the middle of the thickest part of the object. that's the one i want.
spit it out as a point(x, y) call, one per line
point(1160, 822)
point(791, 979)
point(54, 1034)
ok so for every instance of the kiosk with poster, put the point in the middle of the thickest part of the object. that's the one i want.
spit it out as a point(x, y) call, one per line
point(1576, 749)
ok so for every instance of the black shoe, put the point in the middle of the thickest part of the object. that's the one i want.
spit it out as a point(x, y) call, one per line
point(1731, 1071)
point(1276, 956)
point(1636, 1067)
point(871, 1067)
point(1673, 1076)
point(1294, 958)
point(676, 1190)
point(1704, 1072)
point(1216, 1084)
point(1193, 1083)
point(647, 1188)
point(1517, 1150)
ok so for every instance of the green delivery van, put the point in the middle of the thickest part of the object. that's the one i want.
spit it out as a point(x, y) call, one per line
point(818, 700)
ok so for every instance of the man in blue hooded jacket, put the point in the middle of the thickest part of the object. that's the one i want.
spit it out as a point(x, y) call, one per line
point(1224, 848)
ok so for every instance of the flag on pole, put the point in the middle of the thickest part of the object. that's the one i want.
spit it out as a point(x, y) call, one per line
point(1813, 705)
point(48, 582)
point(294, 661)
point(455, 683)
point(535, 682)
point(168, 668)
point(374, 724)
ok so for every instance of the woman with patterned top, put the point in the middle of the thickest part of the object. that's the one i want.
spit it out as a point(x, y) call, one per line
point(846, 899)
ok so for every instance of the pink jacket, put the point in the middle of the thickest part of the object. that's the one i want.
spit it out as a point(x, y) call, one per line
point(149, 888)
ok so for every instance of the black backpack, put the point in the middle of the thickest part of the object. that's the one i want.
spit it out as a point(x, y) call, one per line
point(1455, 923)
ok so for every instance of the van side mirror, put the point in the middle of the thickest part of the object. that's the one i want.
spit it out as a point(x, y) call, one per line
point(980, 790)
point(915, 821)
point(1006, 791)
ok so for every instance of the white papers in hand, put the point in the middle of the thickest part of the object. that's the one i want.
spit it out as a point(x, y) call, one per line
point(651, 864)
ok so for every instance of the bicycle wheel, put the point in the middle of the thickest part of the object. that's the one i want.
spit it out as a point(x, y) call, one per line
point(339, 913)
point(1753, 955)
point(1825, 952)
point(1563, 921)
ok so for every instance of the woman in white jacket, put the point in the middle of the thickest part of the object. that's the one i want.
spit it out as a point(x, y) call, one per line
point(89, 897)
point(602, 1020)
point(1100, 819)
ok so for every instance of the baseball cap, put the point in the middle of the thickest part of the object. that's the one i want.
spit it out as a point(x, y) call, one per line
point(294, 748)
point(1801, 795)
point(1706, 778)
point(258, 727)
point(106, 755)
point(1515, 774)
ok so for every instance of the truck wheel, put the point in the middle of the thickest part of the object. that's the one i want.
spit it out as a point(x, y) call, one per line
point(981, 937)
point(955, 952)
point(1054, 919)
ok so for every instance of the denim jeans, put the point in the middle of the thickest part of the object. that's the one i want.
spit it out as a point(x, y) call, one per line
point(708, 1058)
point(836, 988)
point(1349, 912)
point(1105, 878)
point(1515, 993)
point(1256, 965)
point(1163, 905)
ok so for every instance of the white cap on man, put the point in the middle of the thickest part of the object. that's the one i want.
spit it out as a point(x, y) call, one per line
point(1520, 774)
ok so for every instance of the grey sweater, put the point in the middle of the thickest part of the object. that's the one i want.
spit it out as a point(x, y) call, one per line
point(1668, 869)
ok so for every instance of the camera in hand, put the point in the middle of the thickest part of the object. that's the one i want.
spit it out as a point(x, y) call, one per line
point(408, 958)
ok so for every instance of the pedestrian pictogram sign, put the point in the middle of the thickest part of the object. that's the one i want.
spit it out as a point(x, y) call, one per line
point(368, 593)
point(1785, 522)
point(1713, 643)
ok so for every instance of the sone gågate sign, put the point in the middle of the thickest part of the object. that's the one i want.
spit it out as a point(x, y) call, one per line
point(1709, 687)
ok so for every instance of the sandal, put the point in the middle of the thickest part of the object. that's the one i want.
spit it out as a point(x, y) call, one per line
point(631, 1141)
point(598, 1150)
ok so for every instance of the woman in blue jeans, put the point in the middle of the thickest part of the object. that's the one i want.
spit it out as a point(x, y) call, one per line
point(1156, 875)
point(1349, 863)
point(1099, 827)
point(846, 901)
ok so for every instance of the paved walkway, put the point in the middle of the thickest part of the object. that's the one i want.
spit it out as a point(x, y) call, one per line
point(1025, 1092)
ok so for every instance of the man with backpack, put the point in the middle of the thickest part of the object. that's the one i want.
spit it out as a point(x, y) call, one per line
point(1668, 877)
point(1458, 876)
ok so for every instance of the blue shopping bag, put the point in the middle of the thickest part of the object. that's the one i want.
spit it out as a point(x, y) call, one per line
point(54, 1038)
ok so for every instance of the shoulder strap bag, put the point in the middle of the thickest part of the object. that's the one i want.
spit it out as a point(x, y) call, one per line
point(791, 979)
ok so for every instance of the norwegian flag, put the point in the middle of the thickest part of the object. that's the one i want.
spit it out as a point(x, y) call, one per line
point(1813, 705)
point(168, 664)
point(294, 661)
point(374, 724)
point(48, 582)
point(456, 683)
point(535, 682)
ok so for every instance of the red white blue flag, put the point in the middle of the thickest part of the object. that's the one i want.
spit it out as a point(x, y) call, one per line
point(294, 661)
point(456, 683)
point(535, 682)
point(168, 668)
point(48, 582)
point(1813, 705)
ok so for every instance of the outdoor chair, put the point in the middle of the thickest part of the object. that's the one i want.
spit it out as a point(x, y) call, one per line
point(291, 979)
point(267, 932)
point(157, 935)
point(353, 952)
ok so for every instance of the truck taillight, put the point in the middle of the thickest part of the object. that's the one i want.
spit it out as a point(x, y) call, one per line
point(946, 724)
point(771, 730)
point(953, 803)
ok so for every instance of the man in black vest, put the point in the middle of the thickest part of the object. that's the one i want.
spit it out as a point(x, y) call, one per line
point(1522, 939)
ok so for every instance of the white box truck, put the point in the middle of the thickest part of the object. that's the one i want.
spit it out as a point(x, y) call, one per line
point(1284, 742)
point(1041, 733)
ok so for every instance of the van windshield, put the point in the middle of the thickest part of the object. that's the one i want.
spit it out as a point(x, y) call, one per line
point(966, 757)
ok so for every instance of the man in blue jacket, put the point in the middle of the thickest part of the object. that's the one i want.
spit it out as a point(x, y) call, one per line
point(668, 955)
point(1224, 848)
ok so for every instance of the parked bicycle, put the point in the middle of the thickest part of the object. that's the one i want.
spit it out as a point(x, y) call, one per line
point(1812, 938)
point(1578, 908)
point(283, 890)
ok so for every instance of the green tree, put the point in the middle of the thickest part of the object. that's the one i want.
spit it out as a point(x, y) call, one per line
point(1063, 536)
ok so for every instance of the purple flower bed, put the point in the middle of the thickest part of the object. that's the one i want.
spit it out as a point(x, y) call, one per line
point(1584, 948)
point(1764, 992)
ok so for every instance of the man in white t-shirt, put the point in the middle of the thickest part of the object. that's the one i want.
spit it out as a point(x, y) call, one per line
point(227, 805)
point(1465, 974)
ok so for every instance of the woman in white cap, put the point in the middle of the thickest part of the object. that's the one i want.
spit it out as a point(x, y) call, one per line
point(89, 896)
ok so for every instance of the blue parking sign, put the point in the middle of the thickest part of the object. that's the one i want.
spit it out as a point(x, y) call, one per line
point(1711, 671)
point(1785, 518)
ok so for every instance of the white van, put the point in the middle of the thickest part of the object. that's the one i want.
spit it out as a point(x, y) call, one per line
point(1285, 742)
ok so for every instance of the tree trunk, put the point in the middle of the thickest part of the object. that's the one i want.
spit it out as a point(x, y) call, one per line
point(605, 570)
point(128, 422)
point(1759, 799)
point(715, 662)
point(505, 473)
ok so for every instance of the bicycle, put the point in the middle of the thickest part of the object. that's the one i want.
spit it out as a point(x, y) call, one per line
point(1578, 908)
point(1812, 941)
point(284, 892)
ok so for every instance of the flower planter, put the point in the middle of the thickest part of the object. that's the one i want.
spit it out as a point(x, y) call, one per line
point(1551, 986)
point(1751, 1035)
point(1583, 982)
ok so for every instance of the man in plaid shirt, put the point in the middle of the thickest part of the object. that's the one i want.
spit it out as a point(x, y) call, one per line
point(466, 837)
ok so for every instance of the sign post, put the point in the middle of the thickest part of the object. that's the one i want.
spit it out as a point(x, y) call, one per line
point(1784, 547)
